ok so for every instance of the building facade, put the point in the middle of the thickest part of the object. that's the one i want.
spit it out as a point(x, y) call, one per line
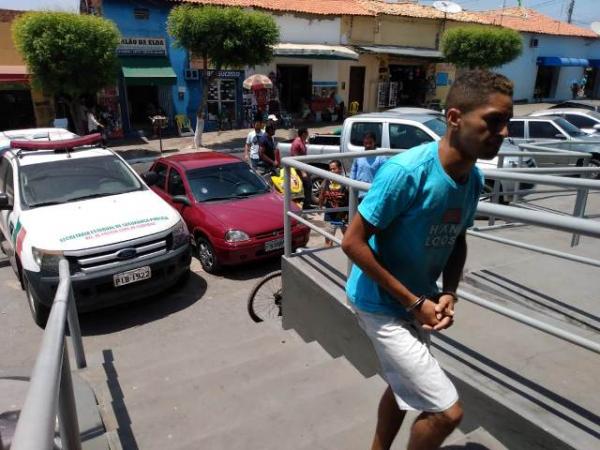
point(20, 105)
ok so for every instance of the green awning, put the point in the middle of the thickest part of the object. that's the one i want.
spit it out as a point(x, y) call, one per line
point(140, 70)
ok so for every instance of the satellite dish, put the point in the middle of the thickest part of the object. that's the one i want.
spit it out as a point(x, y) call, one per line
point(595, 26)
point(447, 7)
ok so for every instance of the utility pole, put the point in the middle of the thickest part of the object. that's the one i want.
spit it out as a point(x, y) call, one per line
point(570, 11)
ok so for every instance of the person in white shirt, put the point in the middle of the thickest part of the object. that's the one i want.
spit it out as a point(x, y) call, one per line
point(94, 126)
point(252, 144)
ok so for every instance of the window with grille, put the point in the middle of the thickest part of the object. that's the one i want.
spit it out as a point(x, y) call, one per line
point(221, 100)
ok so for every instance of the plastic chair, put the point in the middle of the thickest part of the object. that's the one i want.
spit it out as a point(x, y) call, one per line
point(353, 108)
point(184, 127)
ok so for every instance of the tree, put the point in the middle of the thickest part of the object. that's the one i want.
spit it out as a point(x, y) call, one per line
point(227, 37)
point(68, 55)
point(481, 47)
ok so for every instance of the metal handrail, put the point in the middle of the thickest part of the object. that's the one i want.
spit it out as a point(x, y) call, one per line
point(51, 388)
point(548, 220)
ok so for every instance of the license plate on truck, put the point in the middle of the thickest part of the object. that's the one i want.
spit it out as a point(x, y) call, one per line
point(273, 245)
point(132, 276)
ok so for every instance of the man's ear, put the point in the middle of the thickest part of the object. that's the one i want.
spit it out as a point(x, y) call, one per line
point(453, 117)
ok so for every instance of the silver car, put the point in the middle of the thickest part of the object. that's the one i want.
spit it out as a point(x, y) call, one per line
point(586, 120)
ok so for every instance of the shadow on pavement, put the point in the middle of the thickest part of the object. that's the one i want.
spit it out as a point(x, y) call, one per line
point(143, 311)
point(126, 437)
point(255, 269)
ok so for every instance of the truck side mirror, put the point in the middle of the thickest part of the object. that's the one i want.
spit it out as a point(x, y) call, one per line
point(5, 202)
point(182, 200)
point(150, 178)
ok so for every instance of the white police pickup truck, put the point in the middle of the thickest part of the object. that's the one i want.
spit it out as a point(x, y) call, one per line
point(62, 199)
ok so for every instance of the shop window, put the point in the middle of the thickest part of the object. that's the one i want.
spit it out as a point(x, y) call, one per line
point(222, 100)
point(406, 136)
point(141, 13)
point(359, 129)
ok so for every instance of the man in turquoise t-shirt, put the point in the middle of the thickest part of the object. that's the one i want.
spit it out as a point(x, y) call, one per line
point(410, 230)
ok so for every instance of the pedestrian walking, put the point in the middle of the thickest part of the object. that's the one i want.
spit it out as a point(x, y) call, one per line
point(251, 147)
point(93, 125)
point(334, 195)
point(299, 149)
point(410, 229)
point(365, 168)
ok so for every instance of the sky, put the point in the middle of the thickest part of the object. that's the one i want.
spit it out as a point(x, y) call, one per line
point(585, 12)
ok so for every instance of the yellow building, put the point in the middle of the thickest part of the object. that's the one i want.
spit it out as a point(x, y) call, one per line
point(400, 62)
point(20, 106)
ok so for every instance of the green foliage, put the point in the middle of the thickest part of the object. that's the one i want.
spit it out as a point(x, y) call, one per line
point(481, 47)
point(228, 37)
point(67, 54)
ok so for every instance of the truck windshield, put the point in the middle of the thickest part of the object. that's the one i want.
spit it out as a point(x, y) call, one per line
point(75, 179)
point(438, 126)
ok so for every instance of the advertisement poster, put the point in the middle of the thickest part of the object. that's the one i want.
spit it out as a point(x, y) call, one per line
point(110, 112)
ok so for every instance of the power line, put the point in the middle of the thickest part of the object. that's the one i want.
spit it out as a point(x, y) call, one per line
point(570, 11)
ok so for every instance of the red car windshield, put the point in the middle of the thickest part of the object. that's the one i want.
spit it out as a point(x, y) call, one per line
point(224, 182)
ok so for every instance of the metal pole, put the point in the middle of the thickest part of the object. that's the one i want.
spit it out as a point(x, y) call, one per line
point(67, 409)
point(535, 323)
point(75, 331)
point(496, 191)
point(287, 223)
point(352, 207)
point(580, 204)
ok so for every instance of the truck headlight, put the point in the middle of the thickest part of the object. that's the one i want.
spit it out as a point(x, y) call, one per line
point(47, 260)
point(180, 234)
point(236, 236)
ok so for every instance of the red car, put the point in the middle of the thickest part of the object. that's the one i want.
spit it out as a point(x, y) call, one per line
point(232, 213)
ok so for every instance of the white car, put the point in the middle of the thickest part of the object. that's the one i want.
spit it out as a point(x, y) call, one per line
point(86, 204)
point(584, 119)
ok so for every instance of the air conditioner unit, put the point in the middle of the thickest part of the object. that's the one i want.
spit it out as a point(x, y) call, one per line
point(533, 42)
point(192, 74)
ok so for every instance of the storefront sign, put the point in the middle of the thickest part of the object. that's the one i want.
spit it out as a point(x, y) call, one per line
point(142, 46)
point(226, 73)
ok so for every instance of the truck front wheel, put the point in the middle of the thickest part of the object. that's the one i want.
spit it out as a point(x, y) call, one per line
point(39, 311)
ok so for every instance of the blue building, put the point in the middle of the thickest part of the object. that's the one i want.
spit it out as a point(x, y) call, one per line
point(157, 77)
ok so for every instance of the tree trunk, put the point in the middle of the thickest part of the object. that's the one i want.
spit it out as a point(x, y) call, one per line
point(74, 109)
point(200, 113)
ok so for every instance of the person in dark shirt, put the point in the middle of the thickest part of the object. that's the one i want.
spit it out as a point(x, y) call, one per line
point(266, 151)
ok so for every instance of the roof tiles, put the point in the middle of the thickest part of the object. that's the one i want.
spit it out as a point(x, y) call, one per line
point(532, 21)
point(318, 7)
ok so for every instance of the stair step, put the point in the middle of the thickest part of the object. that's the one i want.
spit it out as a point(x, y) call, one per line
point(236, 397)
point(319, 420)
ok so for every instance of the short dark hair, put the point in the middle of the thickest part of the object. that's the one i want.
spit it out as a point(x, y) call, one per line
point(473, 88)
point(269, 128)
point(337, 162)
point(370, 134)
point(302, 130)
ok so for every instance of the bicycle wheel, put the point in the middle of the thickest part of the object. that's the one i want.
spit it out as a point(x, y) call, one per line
point(264, 302)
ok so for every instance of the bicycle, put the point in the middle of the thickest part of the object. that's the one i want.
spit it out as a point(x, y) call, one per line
point(264, 301)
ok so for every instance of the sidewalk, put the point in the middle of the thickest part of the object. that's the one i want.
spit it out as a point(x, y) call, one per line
point(230, 141)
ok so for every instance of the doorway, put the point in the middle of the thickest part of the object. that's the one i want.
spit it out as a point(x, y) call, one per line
point(143, 102)
point(357, 86)
point(295, 84)
point(545, 82)
point(16, 110)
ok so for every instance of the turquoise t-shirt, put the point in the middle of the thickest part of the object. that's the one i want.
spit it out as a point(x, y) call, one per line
point(420, 210)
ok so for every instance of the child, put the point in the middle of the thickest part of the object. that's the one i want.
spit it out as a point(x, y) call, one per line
point(334, 195)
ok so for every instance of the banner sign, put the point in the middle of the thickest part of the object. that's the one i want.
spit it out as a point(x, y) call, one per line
point(142, 46)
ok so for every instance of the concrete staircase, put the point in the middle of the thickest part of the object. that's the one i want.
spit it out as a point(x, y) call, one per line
point(250, 386)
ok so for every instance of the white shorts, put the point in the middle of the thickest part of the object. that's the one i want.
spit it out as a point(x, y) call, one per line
point(414, 375)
